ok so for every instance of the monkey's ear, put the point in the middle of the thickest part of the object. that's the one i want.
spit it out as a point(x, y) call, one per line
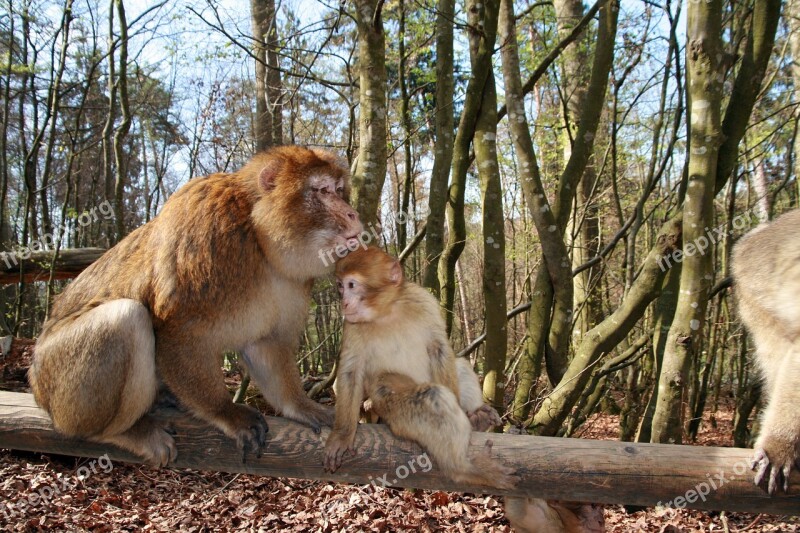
point(268, 174)
point(396, 273)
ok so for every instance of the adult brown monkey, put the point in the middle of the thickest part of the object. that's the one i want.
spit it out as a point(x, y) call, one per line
point(228, 264)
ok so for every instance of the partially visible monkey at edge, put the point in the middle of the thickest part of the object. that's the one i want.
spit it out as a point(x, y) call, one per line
point(766, 269)
point(228, 264)
point(526, 515)
point(395, 351)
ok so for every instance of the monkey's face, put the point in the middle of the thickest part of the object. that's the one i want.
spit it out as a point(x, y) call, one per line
point(304, 215)
point(369, 282)
point(355, 299)
point(338, 226)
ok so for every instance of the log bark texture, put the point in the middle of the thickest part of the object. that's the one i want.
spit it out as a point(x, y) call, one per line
point(552, 468)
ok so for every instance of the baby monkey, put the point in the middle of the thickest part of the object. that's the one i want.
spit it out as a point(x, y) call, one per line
point(766, 267)
point(395, 351)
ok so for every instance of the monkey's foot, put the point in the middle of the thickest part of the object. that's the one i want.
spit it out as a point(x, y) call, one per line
point(773, 461)
point(484, 418)
point(312, 414)
point(248, 427)
point(148, 438)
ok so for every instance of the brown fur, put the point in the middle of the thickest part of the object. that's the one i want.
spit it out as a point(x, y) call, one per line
point(397, 354)
point(766, 268)
point(227, 265)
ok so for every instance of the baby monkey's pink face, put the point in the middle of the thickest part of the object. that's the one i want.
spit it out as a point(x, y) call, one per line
point(355, 299)
point(369, 281)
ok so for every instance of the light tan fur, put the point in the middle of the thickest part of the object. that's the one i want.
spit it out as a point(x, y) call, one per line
point(533, 515)
point(395, 352)
point(483, 417)
point(430, 415)
point(766, 269)
point(227, 265)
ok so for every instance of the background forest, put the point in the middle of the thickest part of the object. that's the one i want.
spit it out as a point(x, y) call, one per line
point(569, 179)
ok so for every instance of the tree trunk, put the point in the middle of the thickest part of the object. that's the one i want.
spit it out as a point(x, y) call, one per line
point(269, 106)
point(752, 70)
point(705, 72)
point(663, 314)
point(404, 191)
point(370, 171)
point(556, 265)
point(605, 336)
point(5, 228)
point(443, 155)
point(263, 120)
point(481, 48)
point(755, 59)
point(584, 224)
point(793, 18)
point(111, 117)
point(124, 126)
point(494, 241)
point(558, 330)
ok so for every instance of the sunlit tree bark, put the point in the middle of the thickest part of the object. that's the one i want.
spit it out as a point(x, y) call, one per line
point(125, 124)
point(443, 155)
point(494, 240)
point(705, 74)
point(370, 170)
point(556, 259)
point(269, 108)
point(481, 51)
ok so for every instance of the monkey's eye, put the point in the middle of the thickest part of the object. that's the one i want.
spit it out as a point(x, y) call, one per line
point(339, 190)
point(351, 285)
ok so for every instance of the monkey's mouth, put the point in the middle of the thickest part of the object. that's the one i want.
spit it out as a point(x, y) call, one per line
point(352, 240)
point(353, 318)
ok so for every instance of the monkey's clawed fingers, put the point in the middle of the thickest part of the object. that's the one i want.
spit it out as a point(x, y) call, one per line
point(776, 472)
point(250, 431)
point(335, 450)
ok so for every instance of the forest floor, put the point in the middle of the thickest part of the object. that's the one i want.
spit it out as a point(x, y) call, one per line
point(47, 492)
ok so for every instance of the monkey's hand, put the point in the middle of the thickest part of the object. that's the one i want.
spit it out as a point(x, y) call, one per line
point(248, 427)
point(774, 459)
point(339, 443)
point(484, 418)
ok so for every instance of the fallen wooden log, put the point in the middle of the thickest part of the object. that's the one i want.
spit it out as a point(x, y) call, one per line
point(35, 266)
point(607, 472)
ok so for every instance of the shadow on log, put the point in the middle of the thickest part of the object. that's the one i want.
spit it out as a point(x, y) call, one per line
point(552, 468)
point(36, 267)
